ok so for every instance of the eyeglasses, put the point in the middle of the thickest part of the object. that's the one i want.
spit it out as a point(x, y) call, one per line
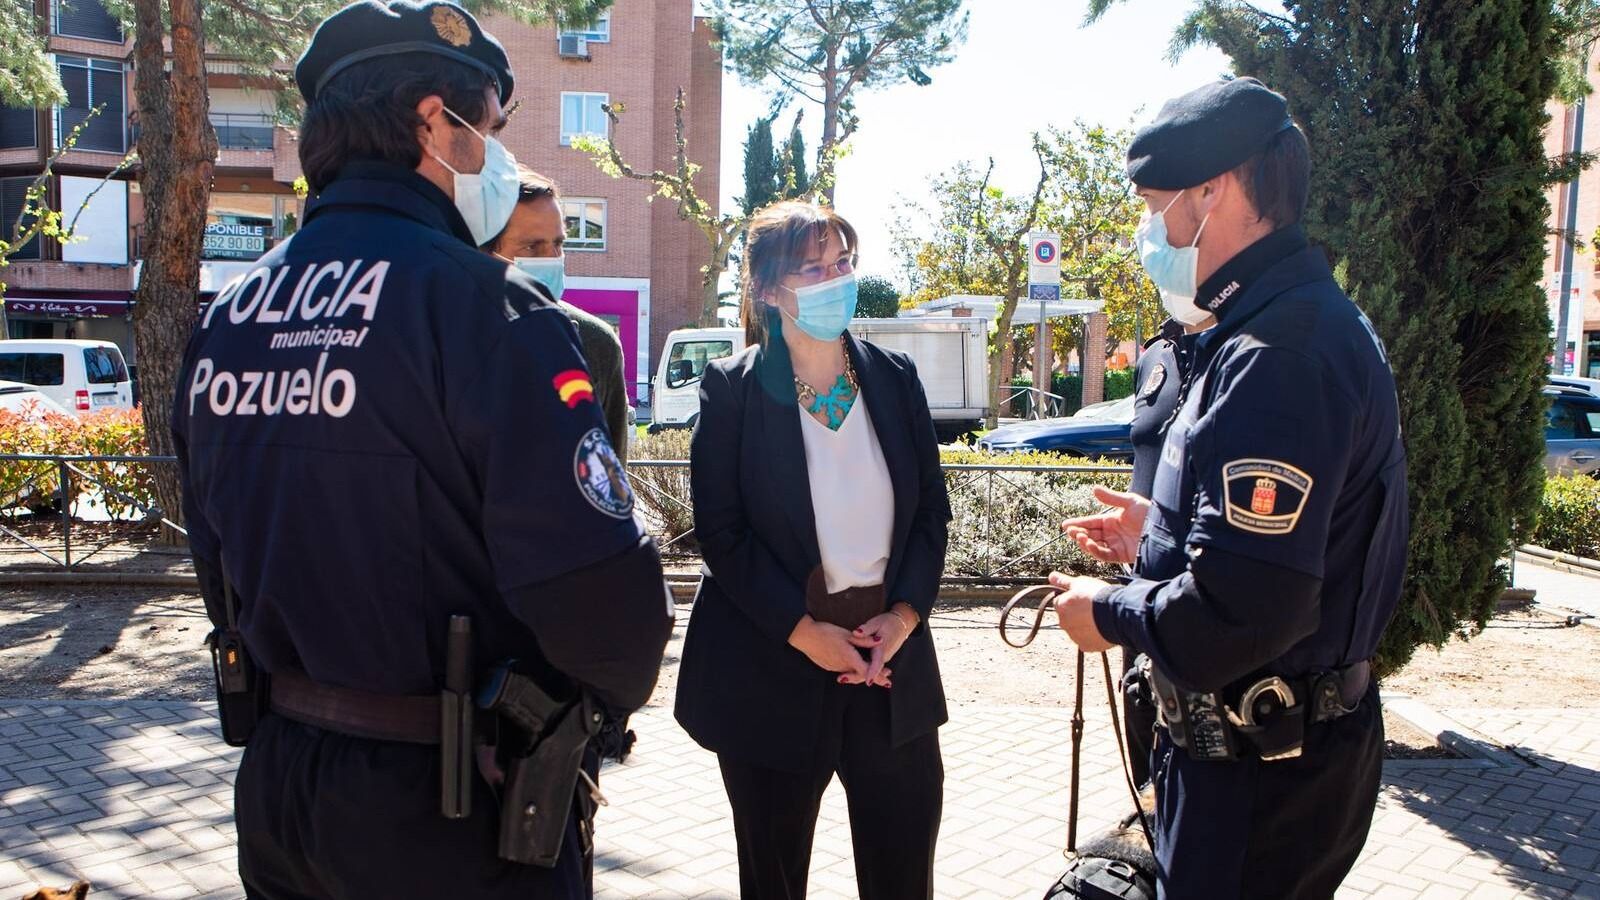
point(820, 271)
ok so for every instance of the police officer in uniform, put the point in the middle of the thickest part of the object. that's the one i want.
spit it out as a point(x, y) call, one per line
point(1158, 380)
point(381, 428)
point(1271, 554)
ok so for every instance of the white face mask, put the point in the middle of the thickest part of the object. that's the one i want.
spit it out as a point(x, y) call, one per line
point(1175, 270)
point(487, 197)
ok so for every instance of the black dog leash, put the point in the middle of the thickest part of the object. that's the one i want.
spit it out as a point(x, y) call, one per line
point(1046, 603)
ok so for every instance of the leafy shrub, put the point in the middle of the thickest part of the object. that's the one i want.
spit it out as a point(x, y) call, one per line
point(1007, 524)
point(1569, 518)
point(122, 488)
point(664, 492)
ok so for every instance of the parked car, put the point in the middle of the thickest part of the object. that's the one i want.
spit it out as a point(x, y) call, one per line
point(27, 400)
point(1572, 434)
point(1572, 383)
point(1099, 431)
point(82, 376)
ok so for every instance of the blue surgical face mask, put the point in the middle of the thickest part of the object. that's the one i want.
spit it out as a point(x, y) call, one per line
point(825, 308)
point(550, 271)
point(487, 197)
point(1174, 270)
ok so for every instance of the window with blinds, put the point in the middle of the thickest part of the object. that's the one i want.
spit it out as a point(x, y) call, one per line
point(18, 128)
point(86, 19)
point(90, 83)
point(13, 193)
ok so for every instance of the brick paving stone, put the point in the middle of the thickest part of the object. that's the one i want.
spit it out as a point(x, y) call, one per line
point(137, 798)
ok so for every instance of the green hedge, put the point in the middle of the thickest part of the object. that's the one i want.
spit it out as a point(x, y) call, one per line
point(1569, 519)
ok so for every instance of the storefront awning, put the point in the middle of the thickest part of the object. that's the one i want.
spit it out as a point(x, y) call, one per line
point(61, 308)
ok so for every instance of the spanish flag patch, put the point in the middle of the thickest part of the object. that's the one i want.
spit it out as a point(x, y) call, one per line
point(574, 387)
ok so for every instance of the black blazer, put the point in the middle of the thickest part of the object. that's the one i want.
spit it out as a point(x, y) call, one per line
point(742, 690)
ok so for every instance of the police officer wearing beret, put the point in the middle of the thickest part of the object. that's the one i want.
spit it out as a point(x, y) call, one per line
point(381, 429)
point(1271, 553)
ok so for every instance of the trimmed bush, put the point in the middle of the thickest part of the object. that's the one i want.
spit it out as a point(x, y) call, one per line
point(1569, 519)
point(122, 488)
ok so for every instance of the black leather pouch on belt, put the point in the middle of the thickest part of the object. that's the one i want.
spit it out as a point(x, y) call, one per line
point(542, 740)
point(241, 687)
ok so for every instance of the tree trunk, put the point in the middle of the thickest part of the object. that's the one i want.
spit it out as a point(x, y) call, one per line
point(1002, 337)
point(177, 152)
point(830, 119)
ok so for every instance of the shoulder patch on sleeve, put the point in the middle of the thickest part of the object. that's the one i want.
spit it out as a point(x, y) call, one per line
point(573, 387)
point(599, 475)
point(1264, 496)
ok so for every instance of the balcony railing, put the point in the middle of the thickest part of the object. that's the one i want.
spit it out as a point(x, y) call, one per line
point(243, 131)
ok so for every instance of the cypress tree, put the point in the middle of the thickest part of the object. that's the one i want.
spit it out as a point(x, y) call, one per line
point(1425, 119)
point(800, 184)
point(761, 167)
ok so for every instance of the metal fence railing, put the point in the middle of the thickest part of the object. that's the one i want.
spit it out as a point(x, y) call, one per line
point(1005, 526)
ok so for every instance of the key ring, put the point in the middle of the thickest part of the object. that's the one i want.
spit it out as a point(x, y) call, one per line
point(1038, 619)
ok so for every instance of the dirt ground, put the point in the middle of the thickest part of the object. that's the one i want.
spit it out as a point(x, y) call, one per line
point(146, 643)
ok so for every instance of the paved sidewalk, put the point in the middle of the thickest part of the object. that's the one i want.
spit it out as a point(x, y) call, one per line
point(135, 797)
point(1560, 588)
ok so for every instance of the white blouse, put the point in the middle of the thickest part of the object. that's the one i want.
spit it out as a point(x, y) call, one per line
point(852, 497)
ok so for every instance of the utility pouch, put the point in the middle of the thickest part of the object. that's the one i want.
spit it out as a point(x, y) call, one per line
point(241, 688)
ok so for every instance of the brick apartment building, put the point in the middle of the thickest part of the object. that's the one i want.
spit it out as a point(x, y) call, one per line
point(630, 261)
point(1583, 324)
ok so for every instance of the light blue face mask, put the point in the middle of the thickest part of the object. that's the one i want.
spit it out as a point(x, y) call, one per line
point(487, 197)
point(1174, 270)
point(550, 271)
point(825, 308)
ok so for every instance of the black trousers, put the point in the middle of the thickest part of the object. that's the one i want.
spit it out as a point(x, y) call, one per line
point(895, 796)
point(326, 816)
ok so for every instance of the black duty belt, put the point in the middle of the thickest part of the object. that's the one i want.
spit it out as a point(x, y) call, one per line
point(1266, 714)
point(412, 719)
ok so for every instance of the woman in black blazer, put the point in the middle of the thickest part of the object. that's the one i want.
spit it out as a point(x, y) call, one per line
point(822, 516)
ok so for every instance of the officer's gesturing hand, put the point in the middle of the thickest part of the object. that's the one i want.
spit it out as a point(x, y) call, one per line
point(1075, 608)
point(1111, 535)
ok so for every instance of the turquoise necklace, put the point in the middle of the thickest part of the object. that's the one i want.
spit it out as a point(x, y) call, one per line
point(836, 403)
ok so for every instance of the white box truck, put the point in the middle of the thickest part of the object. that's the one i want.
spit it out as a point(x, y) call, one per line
point(950, 353)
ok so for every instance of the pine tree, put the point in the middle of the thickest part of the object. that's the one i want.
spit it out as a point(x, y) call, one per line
point(761, 165)
point(1428, 192)
point(823, 51)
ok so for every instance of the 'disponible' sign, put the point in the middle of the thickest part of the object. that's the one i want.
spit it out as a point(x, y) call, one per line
point(228, 240)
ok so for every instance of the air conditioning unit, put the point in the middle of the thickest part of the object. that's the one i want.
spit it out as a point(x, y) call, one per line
point(573, 46)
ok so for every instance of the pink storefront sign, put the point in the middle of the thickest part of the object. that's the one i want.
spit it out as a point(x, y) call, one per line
point(622, 308)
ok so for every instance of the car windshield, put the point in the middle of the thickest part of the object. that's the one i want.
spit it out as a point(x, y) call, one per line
point(1111, 411)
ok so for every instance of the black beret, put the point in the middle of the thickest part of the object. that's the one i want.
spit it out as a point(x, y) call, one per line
point(370, 28)
point(1206, 132)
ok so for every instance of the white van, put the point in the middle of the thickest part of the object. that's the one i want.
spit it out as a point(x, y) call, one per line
point(951, 356)
point(82, 376)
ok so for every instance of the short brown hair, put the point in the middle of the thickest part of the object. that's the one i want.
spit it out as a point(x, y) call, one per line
point(1277, 180)
point(369, 111)
point(777, 239)
point(531, 186)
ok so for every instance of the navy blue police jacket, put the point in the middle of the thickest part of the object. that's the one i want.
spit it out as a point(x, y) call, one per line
point(1275, 542)
point(1158, 377)
point(379, 427)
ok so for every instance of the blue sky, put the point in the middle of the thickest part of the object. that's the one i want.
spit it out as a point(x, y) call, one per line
point(1026, 64)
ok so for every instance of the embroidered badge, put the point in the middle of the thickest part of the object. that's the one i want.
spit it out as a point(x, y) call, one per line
point(600, 478)
point(1264, 496)
point(574, 387)
point(451, 27)
point(1152, 385)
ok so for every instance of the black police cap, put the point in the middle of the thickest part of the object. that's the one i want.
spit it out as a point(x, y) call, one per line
point(1205, 133)
point(369, 29)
